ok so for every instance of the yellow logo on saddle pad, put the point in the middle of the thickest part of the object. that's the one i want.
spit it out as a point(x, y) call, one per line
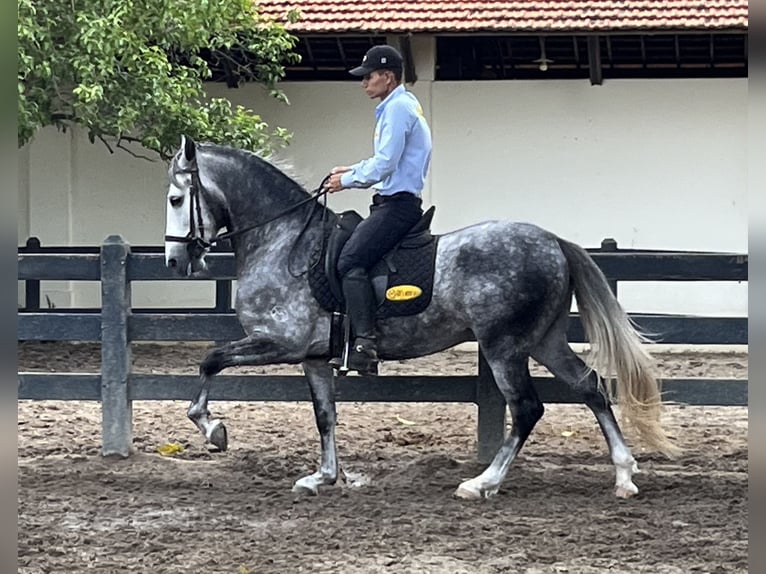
point(403, 292)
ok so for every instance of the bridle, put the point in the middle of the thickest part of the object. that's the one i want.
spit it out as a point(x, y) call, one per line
point(195, 238)
point(195, 241)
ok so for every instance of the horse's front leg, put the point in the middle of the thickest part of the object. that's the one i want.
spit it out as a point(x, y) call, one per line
point(213, 430)
point(252, 350)
point(321, 382)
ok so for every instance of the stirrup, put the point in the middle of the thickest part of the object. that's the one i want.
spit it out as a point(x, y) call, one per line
point(361, 357)
point(359, 362)
point(363, 363)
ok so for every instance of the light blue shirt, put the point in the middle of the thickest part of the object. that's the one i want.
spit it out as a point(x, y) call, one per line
point(402, 148)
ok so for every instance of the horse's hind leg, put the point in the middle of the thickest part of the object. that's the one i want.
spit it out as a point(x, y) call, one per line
point(513, 380)
point(557, 356)
point(320, 376)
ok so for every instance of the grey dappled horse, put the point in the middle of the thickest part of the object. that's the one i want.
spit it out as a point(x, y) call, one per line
point(510, 285)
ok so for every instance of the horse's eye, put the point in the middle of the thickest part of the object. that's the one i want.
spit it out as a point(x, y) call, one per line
point(176, 201)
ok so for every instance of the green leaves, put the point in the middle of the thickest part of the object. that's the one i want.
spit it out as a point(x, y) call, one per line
point(132, 70)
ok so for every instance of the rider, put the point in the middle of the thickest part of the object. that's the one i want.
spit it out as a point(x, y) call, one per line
point(397, 170)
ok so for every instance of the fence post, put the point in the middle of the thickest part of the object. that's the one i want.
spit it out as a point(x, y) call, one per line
point(492, 409)
point(222, 286)
point(609, 245)
point(223, 296)
point(32, 286)
point(116, 406)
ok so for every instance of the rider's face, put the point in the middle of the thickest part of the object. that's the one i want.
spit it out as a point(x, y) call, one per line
point(378, 84)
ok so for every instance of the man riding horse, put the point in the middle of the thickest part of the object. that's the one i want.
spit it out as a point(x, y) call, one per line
point(397, 171)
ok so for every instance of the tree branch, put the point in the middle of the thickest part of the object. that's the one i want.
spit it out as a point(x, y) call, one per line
point(242, 68)
point(131, 152)
point(62, 117)
point(106, 143)
point(130, 139)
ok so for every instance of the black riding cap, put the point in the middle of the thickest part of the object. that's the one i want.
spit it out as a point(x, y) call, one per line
point(379, 58)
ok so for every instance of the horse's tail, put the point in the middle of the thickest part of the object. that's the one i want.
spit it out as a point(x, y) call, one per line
point(616, 349)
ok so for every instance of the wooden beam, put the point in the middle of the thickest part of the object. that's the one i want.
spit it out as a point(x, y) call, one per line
point(59, 326)
point(594, 61)
point(622, 265)
point(59, 267)
point(389, 389)
point(410, 74)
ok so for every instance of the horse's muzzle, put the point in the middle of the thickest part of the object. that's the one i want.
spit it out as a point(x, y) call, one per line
point(184, 266)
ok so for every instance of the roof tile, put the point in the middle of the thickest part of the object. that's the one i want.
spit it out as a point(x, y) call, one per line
point(328, 16)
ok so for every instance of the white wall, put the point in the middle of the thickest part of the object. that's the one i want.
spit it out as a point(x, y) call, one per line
point(653, 164)
point(656, 164)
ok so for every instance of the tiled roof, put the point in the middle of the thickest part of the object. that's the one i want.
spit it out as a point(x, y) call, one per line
point(324, 16)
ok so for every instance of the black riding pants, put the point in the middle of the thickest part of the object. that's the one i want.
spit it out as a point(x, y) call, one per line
point(391, 217)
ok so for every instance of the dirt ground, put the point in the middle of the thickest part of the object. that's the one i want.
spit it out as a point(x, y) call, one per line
point(234, 512)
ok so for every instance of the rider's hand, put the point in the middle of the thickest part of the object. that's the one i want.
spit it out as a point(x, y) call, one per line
point(333, 184)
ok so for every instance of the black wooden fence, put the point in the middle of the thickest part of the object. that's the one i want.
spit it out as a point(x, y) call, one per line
point(116, 324)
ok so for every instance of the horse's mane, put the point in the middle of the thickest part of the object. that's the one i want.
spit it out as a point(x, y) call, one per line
point(286, 166)
point(272, 162)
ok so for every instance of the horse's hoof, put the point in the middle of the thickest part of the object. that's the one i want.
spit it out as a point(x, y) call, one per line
point(470, 490)
point(310, 484)
point(626, 491)
point(217, 436)
point(306, 485)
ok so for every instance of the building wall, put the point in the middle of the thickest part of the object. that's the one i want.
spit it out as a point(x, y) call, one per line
point(657, 164)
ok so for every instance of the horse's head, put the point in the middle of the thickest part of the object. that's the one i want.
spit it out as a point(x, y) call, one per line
point(213, 187)
point(190, 221)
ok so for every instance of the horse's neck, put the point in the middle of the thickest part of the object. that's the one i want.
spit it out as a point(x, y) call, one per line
point(291, 236)
point(259, 199)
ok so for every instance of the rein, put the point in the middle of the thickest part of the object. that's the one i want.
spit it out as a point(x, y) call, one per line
point(197, 244)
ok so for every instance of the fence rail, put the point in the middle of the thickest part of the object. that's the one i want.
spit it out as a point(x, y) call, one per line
point(116, 265)
point(389, 389)
point(156, 325)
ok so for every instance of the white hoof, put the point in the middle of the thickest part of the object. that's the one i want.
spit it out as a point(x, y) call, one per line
point(473, 489)
point(216, 435)
point(303, 486)
point(628, 490)
point(623, 485)
point(310, 484)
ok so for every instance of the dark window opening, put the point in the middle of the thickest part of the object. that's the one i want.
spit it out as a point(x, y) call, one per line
point(329, 58)
point(519, 57)
point(622, 56)
point(322, 58)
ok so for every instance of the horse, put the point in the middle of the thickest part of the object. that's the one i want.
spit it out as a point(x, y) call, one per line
point(508, 285)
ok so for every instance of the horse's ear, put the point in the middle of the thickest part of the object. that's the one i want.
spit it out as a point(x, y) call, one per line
point(190, 148)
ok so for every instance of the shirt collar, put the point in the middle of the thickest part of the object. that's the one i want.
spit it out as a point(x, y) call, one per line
point(398, 90)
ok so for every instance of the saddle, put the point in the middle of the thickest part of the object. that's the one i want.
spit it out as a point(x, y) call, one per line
point(402, 280)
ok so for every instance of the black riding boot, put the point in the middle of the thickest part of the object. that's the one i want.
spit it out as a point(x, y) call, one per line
point(360, 305)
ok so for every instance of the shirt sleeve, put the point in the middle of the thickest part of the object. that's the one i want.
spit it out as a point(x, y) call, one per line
point(394, 124)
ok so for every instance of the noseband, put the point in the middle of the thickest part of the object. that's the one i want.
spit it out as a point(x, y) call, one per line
point(196, 244)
